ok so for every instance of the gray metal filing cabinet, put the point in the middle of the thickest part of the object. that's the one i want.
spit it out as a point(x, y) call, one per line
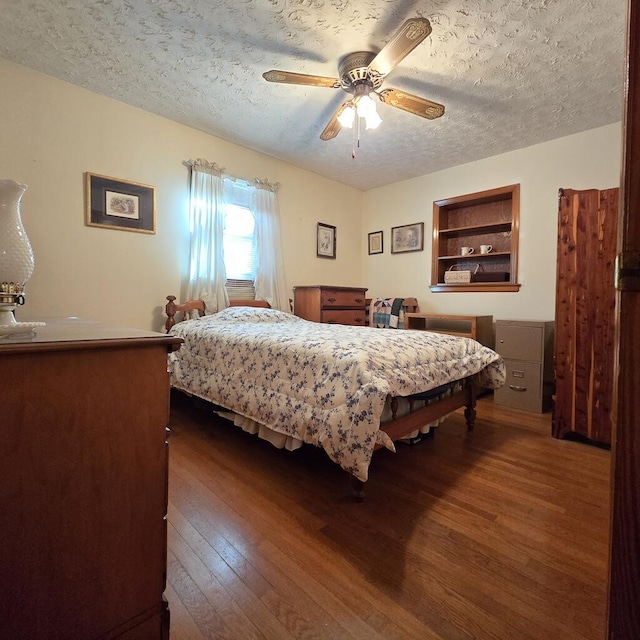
point(527, 349)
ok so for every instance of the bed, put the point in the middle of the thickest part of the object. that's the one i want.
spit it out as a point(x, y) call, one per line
point(349, 390)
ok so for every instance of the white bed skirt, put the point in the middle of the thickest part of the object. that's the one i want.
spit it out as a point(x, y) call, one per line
point(283, 441)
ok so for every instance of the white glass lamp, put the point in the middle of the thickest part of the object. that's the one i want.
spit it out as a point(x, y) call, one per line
point(16, 258)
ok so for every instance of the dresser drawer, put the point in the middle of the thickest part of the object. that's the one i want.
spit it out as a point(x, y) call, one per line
point(523, 386)
point(520, 342)
point(344, 316)
point(338, 298)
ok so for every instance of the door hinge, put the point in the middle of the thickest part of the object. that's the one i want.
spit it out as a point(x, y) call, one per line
point(627, 271)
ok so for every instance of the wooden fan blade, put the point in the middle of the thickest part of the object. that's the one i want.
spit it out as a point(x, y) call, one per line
point(288, 77)
point(413, 104)
point(406, 39)
point(333, 127)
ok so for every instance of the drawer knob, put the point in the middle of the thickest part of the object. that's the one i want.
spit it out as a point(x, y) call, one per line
point(515, 387)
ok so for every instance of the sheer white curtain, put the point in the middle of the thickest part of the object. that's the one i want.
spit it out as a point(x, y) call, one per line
point(270, 278)
point(207, 274)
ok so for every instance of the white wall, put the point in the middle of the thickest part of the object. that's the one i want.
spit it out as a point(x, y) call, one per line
point(51, 132)
point(586, 160)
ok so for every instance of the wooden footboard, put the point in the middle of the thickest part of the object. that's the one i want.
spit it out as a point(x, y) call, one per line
point(465, 397)
point(405, 425)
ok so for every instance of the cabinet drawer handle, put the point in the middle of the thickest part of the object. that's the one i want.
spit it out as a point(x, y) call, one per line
point(331, 321)
point(331, 299)
point(359, 300)
point(515, 387)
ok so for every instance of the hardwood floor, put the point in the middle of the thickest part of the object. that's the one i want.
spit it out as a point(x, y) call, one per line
point(500, 533)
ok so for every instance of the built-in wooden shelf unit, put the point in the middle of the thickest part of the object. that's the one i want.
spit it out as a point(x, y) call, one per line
point(484, 218)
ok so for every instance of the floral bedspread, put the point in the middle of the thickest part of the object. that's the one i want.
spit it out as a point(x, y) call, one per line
point(323, 384)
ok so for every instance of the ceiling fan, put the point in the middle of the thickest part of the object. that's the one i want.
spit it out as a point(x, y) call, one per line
point(362, 74)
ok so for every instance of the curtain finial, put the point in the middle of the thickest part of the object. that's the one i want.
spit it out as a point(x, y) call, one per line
point(265, 184)
point(205, 166)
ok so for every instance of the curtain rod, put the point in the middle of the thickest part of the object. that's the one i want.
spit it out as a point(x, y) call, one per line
point(264, 184)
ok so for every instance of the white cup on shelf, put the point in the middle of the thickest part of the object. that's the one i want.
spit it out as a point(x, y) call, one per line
point(465, 251)
point(486, 248)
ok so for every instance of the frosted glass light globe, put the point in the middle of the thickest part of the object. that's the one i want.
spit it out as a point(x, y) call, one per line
point(16, 254)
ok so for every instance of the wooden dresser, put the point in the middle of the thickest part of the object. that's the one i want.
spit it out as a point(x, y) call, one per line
point(334, 305)
point(83, 483)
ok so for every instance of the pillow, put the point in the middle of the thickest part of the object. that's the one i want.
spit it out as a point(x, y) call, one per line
point(254, 314)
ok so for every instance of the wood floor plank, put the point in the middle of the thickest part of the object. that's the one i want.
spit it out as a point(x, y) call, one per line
point(262, 525)
point(209, 623)
point(280, 580)
point(496, 534)
point(246, 594)
point(193, 561)
point(455, 565)
point(183, 626)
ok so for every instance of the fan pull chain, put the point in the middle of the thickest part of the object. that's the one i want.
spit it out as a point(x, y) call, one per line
point(353, 142)
point(356, 136)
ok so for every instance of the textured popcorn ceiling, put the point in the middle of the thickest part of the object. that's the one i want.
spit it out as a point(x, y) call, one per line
point(510, 73)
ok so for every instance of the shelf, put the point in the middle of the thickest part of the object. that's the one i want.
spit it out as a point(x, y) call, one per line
point(484, 218)
point(491, 227)
point(475, 256)
point(487, 287)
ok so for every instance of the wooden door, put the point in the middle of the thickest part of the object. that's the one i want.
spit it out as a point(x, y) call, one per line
point(585, 313)
point(624, 577)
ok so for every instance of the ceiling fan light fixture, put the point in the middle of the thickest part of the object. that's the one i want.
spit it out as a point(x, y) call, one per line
point(367, 109)
point(347, 117)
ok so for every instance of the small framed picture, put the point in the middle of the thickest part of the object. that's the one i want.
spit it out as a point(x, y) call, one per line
point(115, 204)
point(326, 241)
point(408, 237)
point(375, 242)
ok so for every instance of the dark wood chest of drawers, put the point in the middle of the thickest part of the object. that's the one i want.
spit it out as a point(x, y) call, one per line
point(331, 304)
point(83, 483)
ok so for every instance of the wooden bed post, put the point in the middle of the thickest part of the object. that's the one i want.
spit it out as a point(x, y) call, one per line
point(357, 489)
point(170, 310)
point(470, 407)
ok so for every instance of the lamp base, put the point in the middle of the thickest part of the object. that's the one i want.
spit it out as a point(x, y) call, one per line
point(10, 327)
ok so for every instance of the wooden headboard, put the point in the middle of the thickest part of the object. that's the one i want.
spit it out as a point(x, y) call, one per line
point(171, 308)
point(409, 305)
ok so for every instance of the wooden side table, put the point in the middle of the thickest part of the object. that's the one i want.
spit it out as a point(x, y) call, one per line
point(478, 328)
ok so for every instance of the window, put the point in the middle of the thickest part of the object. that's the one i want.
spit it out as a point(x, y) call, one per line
point(235, 245)
point(239, 243)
